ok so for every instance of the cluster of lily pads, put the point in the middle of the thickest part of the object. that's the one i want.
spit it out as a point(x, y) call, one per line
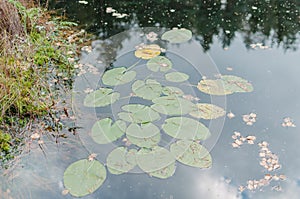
point(137, 122)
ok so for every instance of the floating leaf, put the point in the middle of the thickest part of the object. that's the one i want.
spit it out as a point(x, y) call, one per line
point(236, 84)
point(120, 160)
point(148, 51)
point(213, 87)
point(84, 177)
point(176, 77)
point(148, 90)
point(144, 135)
point(170, 90)
point(159, 63)
point(138, 113)
point(104, 132)
point(191, 153)
point(177, 35)
point(158, 162)
point(101, 98)
point(172, 105)
point(118, 76)
point(208, 111)
point(185, 128)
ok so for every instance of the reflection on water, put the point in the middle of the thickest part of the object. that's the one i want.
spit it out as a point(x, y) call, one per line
point(272, 21)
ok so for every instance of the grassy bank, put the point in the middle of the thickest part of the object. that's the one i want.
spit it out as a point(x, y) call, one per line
point(37, 53)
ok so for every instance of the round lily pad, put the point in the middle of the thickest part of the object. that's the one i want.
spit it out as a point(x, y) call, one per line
point(191, 153)
point(177, 35)
point(185, 128)
point(236, 84)
point(144, 135)
point(120, 160)
point(159, 63)
point(84, 177)
point(101, 98)
point(118, 76)
point(170, 90)
point(103, 131)
point(208, 111)
point(150, 89)
point(138, 113)
point(172, 105)
point(176, 77)
point(158, 161)
point(148, 51)
point(213, 87)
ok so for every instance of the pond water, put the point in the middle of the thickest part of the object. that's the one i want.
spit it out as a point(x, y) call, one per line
point(255, 40)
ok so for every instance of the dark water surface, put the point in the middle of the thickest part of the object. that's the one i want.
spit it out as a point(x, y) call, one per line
point(225, 30)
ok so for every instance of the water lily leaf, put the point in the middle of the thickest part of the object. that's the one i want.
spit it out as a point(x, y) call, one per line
point(236, 84)
point(208, 111)
point(148, 51)
point(84, 177)
point(170, 90)
point(150, 89)
point(144, 135)
point(138, 113)
point(158, 162)
point(118, 76)
point(101, 98)
point(191, 153)
point(213, 87)
point(177, 35)
point(104, 132)
point(173, 105)
point(120, 160)
point(185, 128)
point(159, 63)
point(176, 77)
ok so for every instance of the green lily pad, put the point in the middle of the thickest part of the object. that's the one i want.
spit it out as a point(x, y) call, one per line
point(138, 113)
point(176, 77)
point(150, 89)
point(172, 105)
point(213, 87)
point(158, 162)
point(177, 35)
point(144, 135)
point(159, 63)
point(118, 76)
point(236, 84)
point(104, 132)
point(208, 111)
point(120, 160)
point(84, 177)
point(170, 90)
point(191, 153)
point(101, 98)
point(185, 128)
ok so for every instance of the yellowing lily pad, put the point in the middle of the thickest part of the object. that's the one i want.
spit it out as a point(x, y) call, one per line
point(103, 131)
point(84, 177)
point(144, 135)
point(159, 63)
point(177, 35)
point(118, 76)
point(148, 51)
point(185, 128)
point(176, 77)
point(208, 111)
point(138, 113)
point(191, 153)
point(101, 98)
point(120, 160)
point(150, 89)
point(158, 162)
point(173, 105)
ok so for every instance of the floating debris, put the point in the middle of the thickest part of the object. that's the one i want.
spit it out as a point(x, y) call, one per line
point(288, 122)
point(110, 10)
point(65, 192)
point(239, 139)
point(92, 157)
point(249, 119)
point(190, 98)
point(230, 115)
point(229, 68)
point(88, 90)
point(83, 2)
point(269, 160)
point(259, 46)
point(151, 36)
point(35, 136)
